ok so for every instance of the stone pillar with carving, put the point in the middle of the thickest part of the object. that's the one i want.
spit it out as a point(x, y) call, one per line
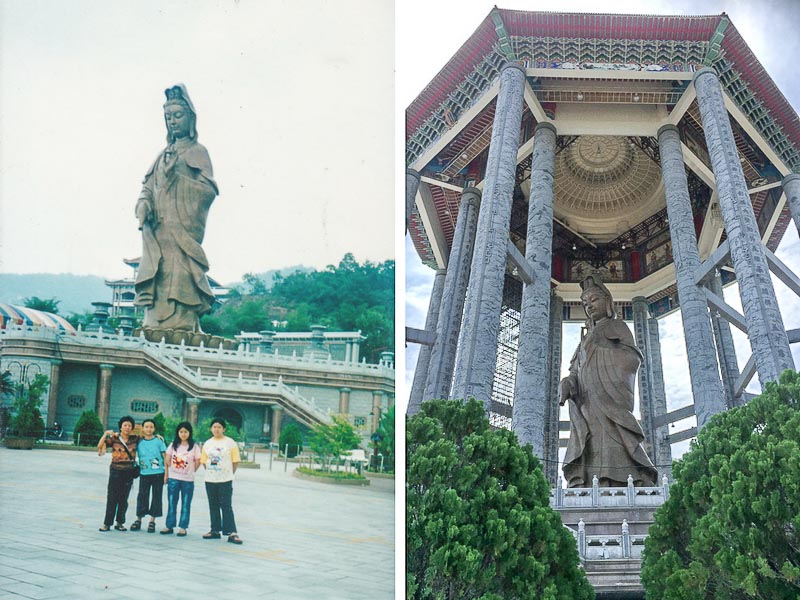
point(103, 397)
point(477, 347)
point(344, 401)
point(193, 405)
point(726, 352)
point(663, 449)
point(765, 326)
point(709, 398)
point(791, 187)
point(641, 333)
point(412, 185)
point(448, 326)
point(552, 415)
point(52, 396)
point(275, 430)
point(424, 358)
point(532, 383)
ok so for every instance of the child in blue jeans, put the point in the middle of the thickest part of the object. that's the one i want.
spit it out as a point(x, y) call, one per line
point(183, 458)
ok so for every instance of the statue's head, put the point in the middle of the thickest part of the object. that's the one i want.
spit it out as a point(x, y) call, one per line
point(179, 114)
point(596, 299)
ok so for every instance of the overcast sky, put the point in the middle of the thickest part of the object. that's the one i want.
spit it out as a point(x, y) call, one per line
point(429, 33)
point(294, 103)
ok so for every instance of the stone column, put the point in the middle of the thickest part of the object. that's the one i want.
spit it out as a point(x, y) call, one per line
point(344, 401)
point(477, 352)
point(52, 397)
point(726, 352)
point(765, 326)
point(551, 433)
point(791, 187)
point(347, 352)
point(194, 405)
point(663, 449)
point(448, 327)
point(377, 402)
point(275, 431)
point(641, 331)
point(532, 384)
point(356, 348)
point(424, 357)
point(103, 397)
point(412, 185)
point(265, 422)
point(709, 397)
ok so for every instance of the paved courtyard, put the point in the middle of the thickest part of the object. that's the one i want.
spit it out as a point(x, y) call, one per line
point(302, 540)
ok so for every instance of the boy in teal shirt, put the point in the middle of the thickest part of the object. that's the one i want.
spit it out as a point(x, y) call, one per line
point(150, 453)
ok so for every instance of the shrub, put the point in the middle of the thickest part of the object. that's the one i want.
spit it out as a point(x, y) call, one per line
point(89, 428)
point(28, 422)
point(386, 442)
point(292, 436)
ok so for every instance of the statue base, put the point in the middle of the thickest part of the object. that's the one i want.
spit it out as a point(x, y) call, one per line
point(188, 338)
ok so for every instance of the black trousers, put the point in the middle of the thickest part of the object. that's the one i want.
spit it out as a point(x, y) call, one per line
point(147, 504)
point(119, 487)
point(219, 502)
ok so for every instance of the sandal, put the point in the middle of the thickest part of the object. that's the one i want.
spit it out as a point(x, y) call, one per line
point(212, 535)
point(121, 527)
point(166, 531)
point(181, 533)
point(151, 527)
point(136, 525)
point(235, 539)
point(104, 528)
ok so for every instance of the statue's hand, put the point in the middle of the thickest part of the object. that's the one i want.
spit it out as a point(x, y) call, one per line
point(566, 390)
point(142, 213)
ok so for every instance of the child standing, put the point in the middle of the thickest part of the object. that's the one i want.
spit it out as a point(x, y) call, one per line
point(220, 457)
point(151, 451)
point(183, 458)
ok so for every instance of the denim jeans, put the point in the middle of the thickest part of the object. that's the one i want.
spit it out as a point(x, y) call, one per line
point(219, 501)
point(145, 503)
point(185, 490)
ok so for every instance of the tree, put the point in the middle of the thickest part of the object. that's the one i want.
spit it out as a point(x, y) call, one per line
point(88, 429)
point(330, 441)
point(291, 437)
point(28, 422)
point(44, 304)
point(478, 516)
point(731, 526)
point(386, 444)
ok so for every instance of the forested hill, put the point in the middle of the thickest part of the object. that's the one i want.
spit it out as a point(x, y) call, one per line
point(345, 297)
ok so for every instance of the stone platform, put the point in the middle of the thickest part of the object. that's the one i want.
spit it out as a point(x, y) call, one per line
point(610, 526)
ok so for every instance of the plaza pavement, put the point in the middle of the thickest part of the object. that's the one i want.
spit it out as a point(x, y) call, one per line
point(302, 540)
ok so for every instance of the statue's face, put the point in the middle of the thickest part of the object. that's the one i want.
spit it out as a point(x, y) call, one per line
point(178, 120)
point(595, 304)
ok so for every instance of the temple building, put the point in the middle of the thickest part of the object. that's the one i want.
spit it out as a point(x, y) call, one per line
point(653, 151)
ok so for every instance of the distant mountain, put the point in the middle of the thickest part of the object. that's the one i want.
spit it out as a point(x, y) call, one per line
point(76, 292)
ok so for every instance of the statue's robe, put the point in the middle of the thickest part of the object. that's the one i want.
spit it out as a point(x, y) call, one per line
point(605, 438)
point(171, 282)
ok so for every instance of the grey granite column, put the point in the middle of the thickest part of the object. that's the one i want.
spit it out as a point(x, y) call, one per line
point(761, 313)
point(194, 406)
point(412, 185)
point(662, 448)
point(443, 352)
point(641, 332)
point(551, 432)
point(424, 357)
point(532, 384)
point(344, 401)
point(791, 187)
point(477, 352)
point(52, 396)
point(709, 398)
point(103, 397)
point(377, 404)
point(726, 352)
point(275, 430)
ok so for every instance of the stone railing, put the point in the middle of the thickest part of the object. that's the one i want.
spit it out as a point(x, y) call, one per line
point(241, 356)
point(617, 497)
point(608, 547)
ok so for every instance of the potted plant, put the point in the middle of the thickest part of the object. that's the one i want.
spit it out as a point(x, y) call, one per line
point(27, 425)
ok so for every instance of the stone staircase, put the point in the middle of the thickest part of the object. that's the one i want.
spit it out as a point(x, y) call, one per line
point(610, 526)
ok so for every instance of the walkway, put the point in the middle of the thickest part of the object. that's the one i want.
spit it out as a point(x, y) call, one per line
point(301, 539)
